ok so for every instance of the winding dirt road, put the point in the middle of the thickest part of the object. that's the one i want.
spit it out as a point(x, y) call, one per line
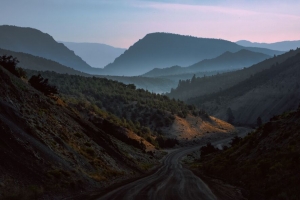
point(171, 181)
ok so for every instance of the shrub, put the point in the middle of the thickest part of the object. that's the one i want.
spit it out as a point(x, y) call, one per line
point(208, 149)
point(41, 84)
point(10, 63)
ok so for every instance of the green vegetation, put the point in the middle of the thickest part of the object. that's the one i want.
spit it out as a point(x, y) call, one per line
point(265, 163)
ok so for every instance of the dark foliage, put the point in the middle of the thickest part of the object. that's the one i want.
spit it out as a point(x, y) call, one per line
point(208, 149)
point(259, 121)
point(236, 140)
point(41, 84)
point(230, 117)
point(166, 142)
point(10, 63)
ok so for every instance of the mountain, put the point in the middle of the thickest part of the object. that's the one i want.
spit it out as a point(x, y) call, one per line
point(28, 61)
point(230, 61)
point(158, 50)
point(263, 95)
point(35, 42)
point(264, 164)
point(225, 62)
point(95, 54)
point(207, 85)
point(279, 46)
point(174, 70)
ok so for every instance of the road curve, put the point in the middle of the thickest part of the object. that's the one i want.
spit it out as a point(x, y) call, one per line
point(171, 181)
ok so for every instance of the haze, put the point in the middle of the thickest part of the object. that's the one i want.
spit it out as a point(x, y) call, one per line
point(121, 23)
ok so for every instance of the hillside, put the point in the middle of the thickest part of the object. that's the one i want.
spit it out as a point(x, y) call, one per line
point(158, 50)
point(95, 54)
point(207, 85)
point(265, 94)
point(51, 148)
point(37, 43)
point(264, 163)
point(279, 46)
point(226, 62)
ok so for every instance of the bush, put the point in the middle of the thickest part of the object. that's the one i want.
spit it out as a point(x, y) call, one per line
point(236, 140)
point(208, 149)
point(10, 63)
point(41, 84)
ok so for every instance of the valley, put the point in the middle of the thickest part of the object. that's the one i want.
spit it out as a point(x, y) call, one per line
point(171, 117)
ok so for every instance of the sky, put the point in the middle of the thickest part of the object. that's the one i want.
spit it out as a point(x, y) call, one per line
point(121, 23)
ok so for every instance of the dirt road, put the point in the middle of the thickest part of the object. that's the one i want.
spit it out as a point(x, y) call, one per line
point(171, 181)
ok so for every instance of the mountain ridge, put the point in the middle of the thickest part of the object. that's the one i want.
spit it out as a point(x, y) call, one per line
point(280, 46)
point(157, 50)
point(35, 42)
point(225, 62)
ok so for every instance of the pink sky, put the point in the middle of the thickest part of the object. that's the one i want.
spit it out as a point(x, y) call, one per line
point(121, 23)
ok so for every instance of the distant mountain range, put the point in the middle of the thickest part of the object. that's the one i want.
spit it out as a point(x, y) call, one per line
point(280, 46)
point(158, 50)
point(226, 61)
point(95, 54)
point(35, 42)
point(155, 50)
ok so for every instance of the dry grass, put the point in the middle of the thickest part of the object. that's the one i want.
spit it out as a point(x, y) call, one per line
point(193, 127)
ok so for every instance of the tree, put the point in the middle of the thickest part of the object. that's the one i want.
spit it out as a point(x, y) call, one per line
point(208, 149)
point(193, 79)
point(10, 63)
point(41, 84)
point(259, 121)
point(230, 117)
point(236, 140)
